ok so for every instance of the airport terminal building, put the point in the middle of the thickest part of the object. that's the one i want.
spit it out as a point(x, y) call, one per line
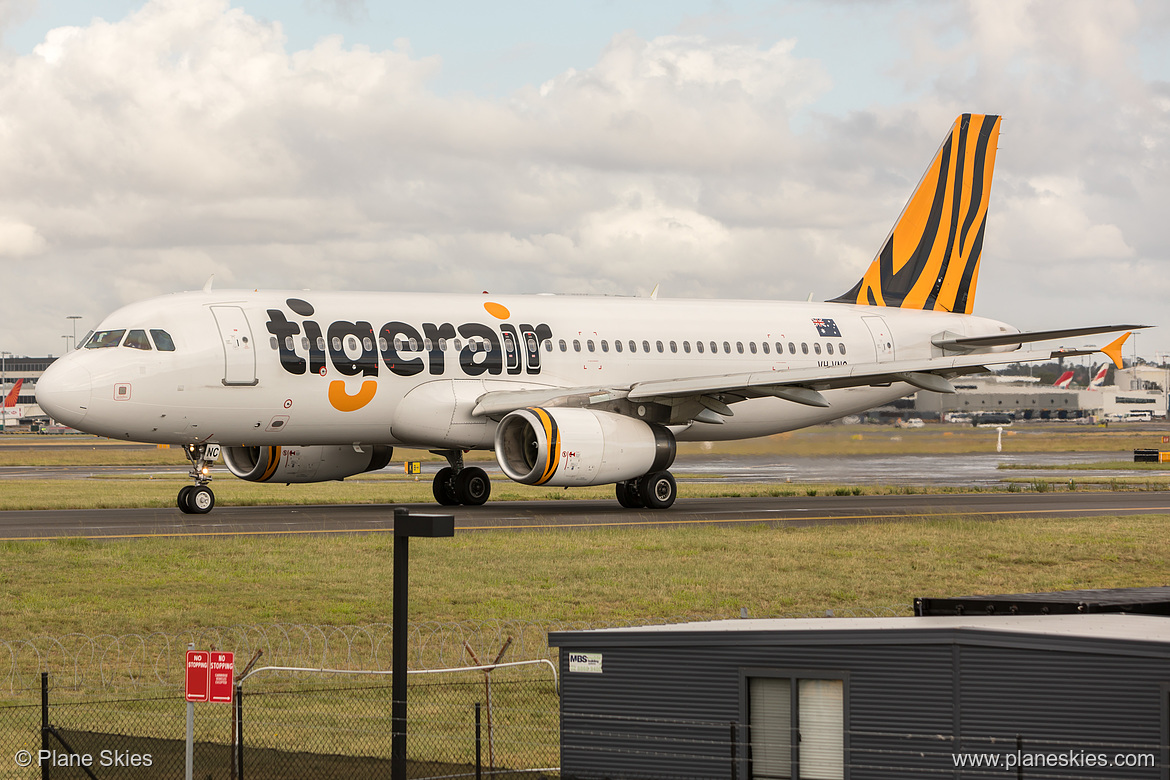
point(1139, 391)
point(15, 368)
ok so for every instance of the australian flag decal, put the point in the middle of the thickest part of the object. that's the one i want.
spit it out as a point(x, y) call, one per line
point(827, 328)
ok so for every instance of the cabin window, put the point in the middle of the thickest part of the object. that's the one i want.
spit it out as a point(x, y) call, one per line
point(164, 343)
point(397, 344)
point(674, 347)
point(336, 342)
point(658, 345)
point(764, 345)
point(617, 344)
point(841, 347)
point(645, 346)
point(272, 342)
point(443, 345)
point(548, 347)
point(752, 347)
point(829, 347)
point(699, 346)
point(817, 347)
point(804, 347)
point(604, 345)
point(320, 343)
point(714, 348)
point(288, 342)
point(105, 338)
point(576, 345)
point(633, 346)
point(791, 348)
point(687, 347)
point(427, 344)
point(137, 340)
point(739, 347)
point(726, 348)
point(591, 346)
point(564, 347)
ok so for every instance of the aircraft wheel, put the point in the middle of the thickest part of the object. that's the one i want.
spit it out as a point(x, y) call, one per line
point(200, 500)
point(658, 490)
point(183, 493)
point(627, 495)
point(443, 487)
point(473, 486)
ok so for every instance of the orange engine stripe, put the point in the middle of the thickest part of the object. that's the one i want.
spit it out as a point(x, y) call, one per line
point(273, 463)
point(552, 435)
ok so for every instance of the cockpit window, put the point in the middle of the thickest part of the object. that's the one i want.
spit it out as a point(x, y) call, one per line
point(105, 338)
point(163, 340)
point(84, 341)
point(136, 339)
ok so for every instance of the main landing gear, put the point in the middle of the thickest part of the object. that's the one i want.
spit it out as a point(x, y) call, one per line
point(656, 490)
point(456, 484)
point(198, 499)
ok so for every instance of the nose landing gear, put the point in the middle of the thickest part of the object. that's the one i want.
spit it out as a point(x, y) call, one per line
point(198, 499)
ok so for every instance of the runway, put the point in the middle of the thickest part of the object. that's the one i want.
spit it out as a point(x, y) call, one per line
point(128, 524)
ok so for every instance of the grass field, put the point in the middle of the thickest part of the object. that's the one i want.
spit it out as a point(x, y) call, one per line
point(169, 585)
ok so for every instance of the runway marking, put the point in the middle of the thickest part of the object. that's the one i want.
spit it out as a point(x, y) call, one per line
point(615, 524)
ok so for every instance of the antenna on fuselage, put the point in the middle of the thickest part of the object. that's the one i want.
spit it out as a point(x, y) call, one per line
point(207, 286)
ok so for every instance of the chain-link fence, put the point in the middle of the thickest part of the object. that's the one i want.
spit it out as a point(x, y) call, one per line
point(497, 722)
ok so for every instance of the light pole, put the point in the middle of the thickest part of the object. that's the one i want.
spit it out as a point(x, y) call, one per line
point(75, 318)
point(3, 382)
point(66, 337)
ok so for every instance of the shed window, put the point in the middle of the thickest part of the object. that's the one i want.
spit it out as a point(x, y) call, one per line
point(813, 711)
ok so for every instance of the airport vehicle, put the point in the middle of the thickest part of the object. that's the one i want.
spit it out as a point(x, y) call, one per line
point(567, 390)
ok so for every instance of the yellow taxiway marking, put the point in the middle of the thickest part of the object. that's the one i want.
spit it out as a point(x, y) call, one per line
point(615, 524)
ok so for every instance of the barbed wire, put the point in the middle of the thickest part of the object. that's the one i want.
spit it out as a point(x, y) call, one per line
point(136, 661)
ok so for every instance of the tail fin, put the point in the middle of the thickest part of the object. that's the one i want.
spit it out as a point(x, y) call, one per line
point(1064, 380)
point(13, 394)
point(930, 260)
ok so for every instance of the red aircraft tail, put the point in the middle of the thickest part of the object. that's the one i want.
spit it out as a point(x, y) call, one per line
point(13, 394)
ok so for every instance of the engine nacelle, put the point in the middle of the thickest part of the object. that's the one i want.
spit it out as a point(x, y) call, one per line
point(304, 464)
point(571, 446)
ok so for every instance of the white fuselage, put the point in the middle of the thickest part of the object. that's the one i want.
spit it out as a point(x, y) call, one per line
point(304, 368)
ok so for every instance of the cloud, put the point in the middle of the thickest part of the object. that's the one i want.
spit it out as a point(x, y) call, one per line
point(141, 155)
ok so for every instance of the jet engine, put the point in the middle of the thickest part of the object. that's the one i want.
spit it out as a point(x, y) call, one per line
point(304, 464)
point(571, 446)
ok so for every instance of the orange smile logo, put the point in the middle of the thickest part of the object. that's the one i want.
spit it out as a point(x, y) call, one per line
point(342, 401)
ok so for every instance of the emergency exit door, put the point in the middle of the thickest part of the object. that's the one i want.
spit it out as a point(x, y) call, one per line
point(239, 353)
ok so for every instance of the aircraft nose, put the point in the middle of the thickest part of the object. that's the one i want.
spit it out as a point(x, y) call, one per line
point(63, 392)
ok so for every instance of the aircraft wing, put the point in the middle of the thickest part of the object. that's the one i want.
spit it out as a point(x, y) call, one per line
point(715, 393)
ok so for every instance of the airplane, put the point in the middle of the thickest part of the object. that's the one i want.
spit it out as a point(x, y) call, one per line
point(10, 410)
point(297, 386)
point(1098, 380)
point(1064, 380)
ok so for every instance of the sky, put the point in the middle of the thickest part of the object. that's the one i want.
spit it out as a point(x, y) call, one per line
point(729, 149)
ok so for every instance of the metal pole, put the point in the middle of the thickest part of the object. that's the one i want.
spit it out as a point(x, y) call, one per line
point(734, 757)
point(3, 384)
point(75, 318)
point(240, 730)
point(190, 753)
point(478, 745)
point(44, 724)
point(398, 651)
